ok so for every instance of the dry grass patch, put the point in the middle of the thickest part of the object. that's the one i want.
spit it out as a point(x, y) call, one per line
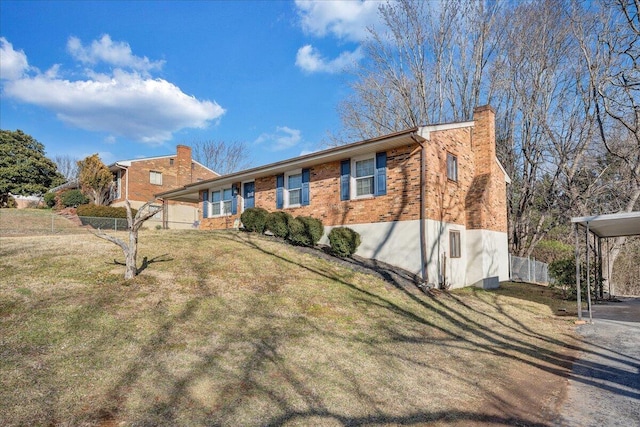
point(226, 328)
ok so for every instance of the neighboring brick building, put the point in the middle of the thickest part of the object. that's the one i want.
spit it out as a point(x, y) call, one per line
point(138, 180)
point(430, 199)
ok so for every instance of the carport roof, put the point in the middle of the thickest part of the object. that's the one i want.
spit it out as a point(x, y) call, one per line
point(612, 225)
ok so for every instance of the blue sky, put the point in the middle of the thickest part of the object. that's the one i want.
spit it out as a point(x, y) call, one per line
point(134, 79)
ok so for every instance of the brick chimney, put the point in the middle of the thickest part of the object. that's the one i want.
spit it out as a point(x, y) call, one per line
point(484, 139)
point(184, 173)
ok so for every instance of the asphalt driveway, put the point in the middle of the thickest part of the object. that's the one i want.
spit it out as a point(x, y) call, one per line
point(604, 387)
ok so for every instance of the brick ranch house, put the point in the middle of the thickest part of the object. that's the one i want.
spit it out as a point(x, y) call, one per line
point(139, 179)
point(431, 199)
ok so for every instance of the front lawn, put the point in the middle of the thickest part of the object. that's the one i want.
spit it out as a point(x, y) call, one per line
point(228, 328)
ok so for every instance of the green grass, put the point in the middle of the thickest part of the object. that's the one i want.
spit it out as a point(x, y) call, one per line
point(226, 328)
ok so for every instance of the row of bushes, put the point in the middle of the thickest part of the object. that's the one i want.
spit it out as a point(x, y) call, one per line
point(301, 230)
point(103, 211)
point(67, 199)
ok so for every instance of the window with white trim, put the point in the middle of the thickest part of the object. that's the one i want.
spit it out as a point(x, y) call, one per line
point(454, 244)
point(364, 171)
point(155, 177)
point(294, 189)
point(221, 202)
point(452, 167)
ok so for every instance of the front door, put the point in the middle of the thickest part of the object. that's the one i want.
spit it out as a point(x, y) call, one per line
point(248, 195)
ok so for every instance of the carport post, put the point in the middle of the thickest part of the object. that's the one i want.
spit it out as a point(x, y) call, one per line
point(575, 232)
point(586, 240)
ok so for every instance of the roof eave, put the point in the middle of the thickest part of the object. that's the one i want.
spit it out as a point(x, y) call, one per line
point(332, 154)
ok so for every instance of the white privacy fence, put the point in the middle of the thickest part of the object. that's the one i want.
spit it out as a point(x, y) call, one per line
point(528, 270)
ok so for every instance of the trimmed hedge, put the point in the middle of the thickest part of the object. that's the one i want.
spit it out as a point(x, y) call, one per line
point(297, 233)
point(72, 198)
point(305, 231)
point(254, 219)
point(344, 241)
point(278, 223)
point(104, 211)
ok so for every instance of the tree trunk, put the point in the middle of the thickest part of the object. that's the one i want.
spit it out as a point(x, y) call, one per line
point(130, 250)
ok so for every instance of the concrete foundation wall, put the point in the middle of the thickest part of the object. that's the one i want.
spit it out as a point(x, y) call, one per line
point(483, 261)
point(488, 261)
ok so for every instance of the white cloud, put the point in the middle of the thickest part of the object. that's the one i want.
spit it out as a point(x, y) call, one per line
point(346, 20)
point(309, 59)
point(105, 50)
point(13, 64)
point(283, 138)
point(121, 103)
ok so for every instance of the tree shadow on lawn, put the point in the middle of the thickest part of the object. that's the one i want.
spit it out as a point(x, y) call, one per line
point(547, 360)
point(146, 262)
point(293, 397)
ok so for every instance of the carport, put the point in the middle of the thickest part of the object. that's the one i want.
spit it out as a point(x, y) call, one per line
point(600, 227)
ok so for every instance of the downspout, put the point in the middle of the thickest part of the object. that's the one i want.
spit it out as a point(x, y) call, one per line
point(423, 226)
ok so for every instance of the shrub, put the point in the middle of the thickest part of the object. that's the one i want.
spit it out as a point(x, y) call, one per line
point(552, 250)
point(103, 211)
point(73, 198)
point(50, 199)
point(254, 219)
point(305, 231)
point(9, 202)
point(297, 233)
point(563, 273)
point(278, 223)
point(344, 241)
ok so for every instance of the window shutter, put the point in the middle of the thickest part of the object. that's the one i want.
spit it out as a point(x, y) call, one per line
point(306, 175)
point(234, 199)
point(345, 178)
point(279, 191)
point(381, 174)
point(205, 204)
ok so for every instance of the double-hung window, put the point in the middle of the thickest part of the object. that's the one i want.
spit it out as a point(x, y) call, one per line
point(452, 167)
point(221, 201)
point(155, 177)
point(294, 189)
point(364, 177)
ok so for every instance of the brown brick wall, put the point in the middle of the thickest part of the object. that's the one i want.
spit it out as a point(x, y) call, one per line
point(474, 200)
point(444, 197)
point(401, 202)
point(173, 175)
point(486, 200)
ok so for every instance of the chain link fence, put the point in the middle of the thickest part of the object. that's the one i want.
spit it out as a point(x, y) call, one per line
point(528, 270)
point(33, 222)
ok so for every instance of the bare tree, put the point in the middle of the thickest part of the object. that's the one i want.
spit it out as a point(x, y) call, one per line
point(609, 41)
point(220, 156)
point(545, 126)
point(130, 249)
point(426, 66)
point(67, 166)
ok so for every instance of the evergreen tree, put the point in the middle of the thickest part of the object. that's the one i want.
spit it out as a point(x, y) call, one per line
point(24, 168)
